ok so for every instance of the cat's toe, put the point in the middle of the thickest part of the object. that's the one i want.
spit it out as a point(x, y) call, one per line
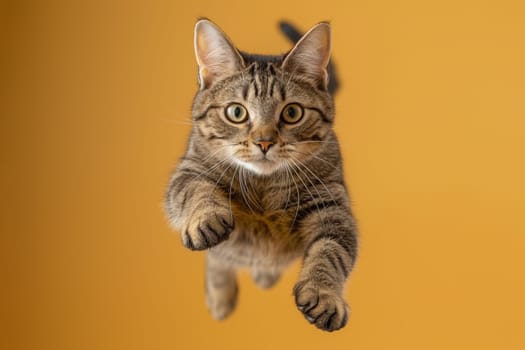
point(323, 308)
point(207, 232)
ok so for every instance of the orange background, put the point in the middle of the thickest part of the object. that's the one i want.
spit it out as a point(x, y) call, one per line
point(95, 100)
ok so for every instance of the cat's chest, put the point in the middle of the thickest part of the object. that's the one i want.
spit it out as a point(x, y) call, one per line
point(263, 229)
point(262, 199)
point(262, 239)
point(274, 222)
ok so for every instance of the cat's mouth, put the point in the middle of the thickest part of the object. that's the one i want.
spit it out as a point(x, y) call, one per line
point(263, 158)
point(261, 166)
point(262, 161)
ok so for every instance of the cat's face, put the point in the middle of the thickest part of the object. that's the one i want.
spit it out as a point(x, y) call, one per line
point(263, 114)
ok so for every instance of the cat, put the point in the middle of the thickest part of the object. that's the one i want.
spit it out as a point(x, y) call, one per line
point(261, 182)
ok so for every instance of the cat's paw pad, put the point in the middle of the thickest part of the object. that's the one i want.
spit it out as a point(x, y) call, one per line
point(324, 308)
point(208, 230)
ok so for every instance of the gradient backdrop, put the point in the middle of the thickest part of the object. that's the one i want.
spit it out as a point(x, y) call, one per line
point(95, 100)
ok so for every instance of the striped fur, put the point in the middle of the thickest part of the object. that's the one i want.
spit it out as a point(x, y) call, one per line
point(257, 210)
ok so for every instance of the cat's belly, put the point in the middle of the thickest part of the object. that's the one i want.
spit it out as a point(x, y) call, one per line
point(260, 242)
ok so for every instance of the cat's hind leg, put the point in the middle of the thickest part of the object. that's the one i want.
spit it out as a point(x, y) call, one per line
point(265, 278)
point(221, 287)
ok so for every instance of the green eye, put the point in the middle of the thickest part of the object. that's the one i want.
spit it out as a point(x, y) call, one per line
point(236, 113)
point(292, 113)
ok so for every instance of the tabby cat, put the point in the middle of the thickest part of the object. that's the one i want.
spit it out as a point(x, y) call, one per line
point(261, 182)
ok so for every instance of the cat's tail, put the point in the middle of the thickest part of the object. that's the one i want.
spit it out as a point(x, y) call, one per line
point(294, 35)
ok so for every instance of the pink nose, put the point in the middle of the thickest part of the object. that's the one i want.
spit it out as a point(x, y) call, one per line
point(264, 145)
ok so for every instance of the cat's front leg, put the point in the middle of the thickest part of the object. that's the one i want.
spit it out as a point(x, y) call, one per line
point(329, 256)
point(198, 208)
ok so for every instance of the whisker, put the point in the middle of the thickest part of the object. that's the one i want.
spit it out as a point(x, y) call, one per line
point(318, 179)
point(241, 186)
point(251, 195)
point(230, 191)
point(306, 187)
point(210, 170)
point(176, 121)
point(314, 156)
point(217, 182)
point(312, 141)
point(202, 162)
point(288, 170)
point(289, 185)
point(249, 191)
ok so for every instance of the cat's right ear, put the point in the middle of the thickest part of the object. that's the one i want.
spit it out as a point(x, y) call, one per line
point(216, 56)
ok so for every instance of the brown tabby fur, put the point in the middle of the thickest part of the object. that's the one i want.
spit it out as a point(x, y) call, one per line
point(261, 211)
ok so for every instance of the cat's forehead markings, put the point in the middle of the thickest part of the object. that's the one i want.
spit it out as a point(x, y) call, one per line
point(282, 91)
point(261, 82)
point(245, 90)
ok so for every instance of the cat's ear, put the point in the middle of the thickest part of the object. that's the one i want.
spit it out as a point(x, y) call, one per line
point(311, 54)
point(216, 56)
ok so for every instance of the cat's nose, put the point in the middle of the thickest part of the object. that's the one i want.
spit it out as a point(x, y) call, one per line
point(264, 144)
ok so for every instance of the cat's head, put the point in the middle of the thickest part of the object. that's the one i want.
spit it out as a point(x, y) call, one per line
point(263, 113)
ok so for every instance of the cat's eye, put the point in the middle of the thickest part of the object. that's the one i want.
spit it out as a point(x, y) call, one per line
point(236, 113)
point(292, 113)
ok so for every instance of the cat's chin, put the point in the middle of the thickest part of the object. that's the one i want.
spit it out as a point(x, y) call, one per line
point(260, 167)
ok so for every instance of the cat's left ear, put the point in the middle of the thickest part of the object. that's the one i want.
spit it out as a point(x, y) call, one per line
point(311, 54)
point(216, 56)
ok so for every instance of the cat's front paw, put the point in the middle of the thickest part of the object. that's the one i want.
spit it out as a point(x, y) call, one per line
point(322, 307)
point(208, 229)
